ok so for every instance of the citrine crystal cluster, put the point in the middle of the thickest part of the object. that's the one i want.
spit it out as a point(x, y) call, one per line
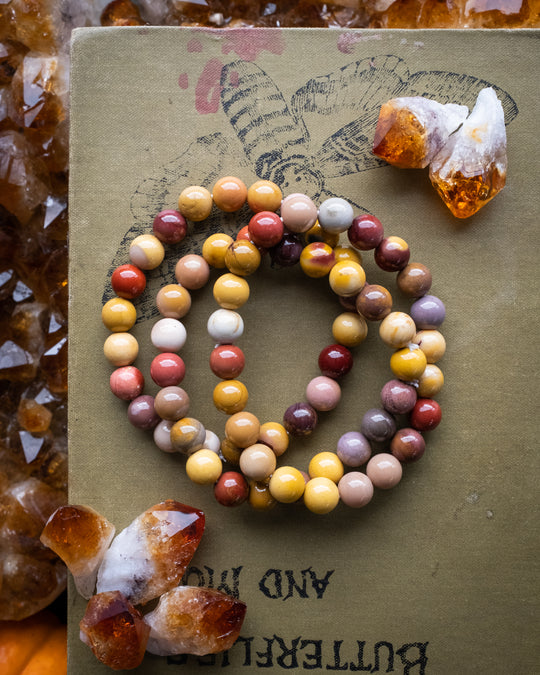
point(145, 561)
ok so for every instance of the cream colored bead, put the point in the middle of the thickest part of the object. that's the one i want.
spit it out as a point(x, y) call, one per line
point(146, 252)
point(397, 330)
point(431, 381)
point(432, 343)
point(121, 349)
point(257, 461)
point(349, 329)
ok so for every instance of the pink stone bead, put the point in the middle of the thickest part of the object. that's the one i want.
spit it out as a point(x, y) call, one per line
point(384, 470)
point(323, 393)
point(192, 271)
point(355, 489)
point(127, 383)
point(298, 212)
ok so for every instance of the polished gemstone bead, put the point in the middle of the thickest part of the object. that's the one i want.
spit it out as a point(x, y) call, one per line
point(426, 415)
point(384, 471)
point(173, 301)
point(349, 329)
point(378, 425)
point(428, 312)
point(392, 254)
point(118, 315)
point(431, 381)
point(335, 361)
point(204, 467)
point(195, 203)
point(414, 280)
point(366, 232)
point(225, 326)
point(347, 253)
point(374, 302)
point(146, 252)
point(187, 435)
point(355, 489)
point(168, 335)
point(231, 291)
point(260, 497)
point(242, 258)
point(230, 452)
point(432, 343)
point(317, 259)
point(192, 271)
point(397, 330)
point(231, 489)
point(128, 281)
point(141, 412)
point(265, 229)
point(300, 419)
point(167, 369)
point(353, 449)
point(323, 393)
point(335, 215)
point(408, 363)
point(229, 194)
point(242, 429)
point(263, 195)
point(287, 484)
point(275, 436)
point(321, 495)
point(230, 396)
point(298, 212)
point(407, 445)
point(326, 464)
point(316, 233)
point(171, 403)
point(127, 382)
point(347, 278)
point(287, 252)
point(170, 226)
point(121, 349)
point(397, 397)
point(214, 248)
point(162, 435)
point(212, 442)
point(257, 461)
point(227, 361)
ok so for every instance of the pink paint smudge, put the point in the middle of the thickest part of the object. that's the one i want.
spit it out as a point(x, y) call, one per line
point(248, 44)
point(234, 78)
point(346, 42)
point(194, 45)
point(183, 81)
point(208, 89)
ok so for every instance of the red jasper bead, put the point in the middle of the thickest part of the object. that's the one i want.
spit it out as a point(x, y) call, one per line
point(128, 281)
point(335, 361)
point(426, 414)
point(265, 229)
point(366, 232)
point(127, 383)
point(227, 361)
point(243, 233)
point(408, 445)
point(170, 226)
point(167, 369)
point(231, 489)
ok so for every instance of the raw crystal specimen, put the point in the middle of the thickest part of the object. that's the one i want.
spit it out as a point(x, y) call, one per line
point(80, 536)
point(150, 556)
point(190, 620)
point(471, 168)
point(114, 630)
point(411, 130)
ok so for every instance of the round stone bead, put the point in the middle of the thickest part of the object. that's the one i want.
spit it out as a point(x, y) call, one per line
point(366, 232)
point(121, 349)
point(227, 361)
point(259, 496)
point(204, 467)
point(287, 484)
point(408, 363)
point(431, 381)
point(265, 229)
point(397, 330)
point(171, 403)
point(353, 449)
point(128, 281)
point(374, 302)
point(316, 233)
point(192, 271)
point(167, 369)
point(378, 425)
point(347, 253)
point(195, 203)
point(187, 435)
point(426, 415)
point(242, 258)
point(323, 393)
point(168, 335)
point(162, 436)
point(355, 489)
point(384, 471)
point(428, 312)
point(300, 419)
point(432, 343)
point(321, 495)
point(127, 383)
point(257, 461)
point(146, 252)
point(231, 291)
point(335, 215)
point(347, 278)
point(287, 253)
point(298, 212)
point(275, 436)
point(231, 489)
point(212, 442)
point(229, 194)
point(230, 396)
point(414, 280)
point(349, 329)
point(230, 452)
point(326, 464)
point(243, 429)
point(214, 249)
point(408, 445)
point(170, 226)
point(317, 259)
point(335, 361)
point(141, 412)
point(263, 195)
point(397, 397)
point(118, 315)
point(173, 301)
point(225, 326)
point(392, 254)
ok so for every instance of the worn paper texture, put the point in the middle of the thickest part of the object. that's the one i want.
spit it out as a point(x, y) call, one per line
point(437, 576)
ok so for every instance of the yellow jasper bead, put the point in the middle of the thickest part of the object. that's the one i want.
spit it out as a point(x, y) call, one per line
point(229, 194)
point(431, 381)
point(204, 467)
point(230, 396)
point(242, 258)
point(347, 253)
point(242, 429)
point(146, 252)
point(121, 349)
point(397, 330)
point(257, 461)
point(118, 315)
point(173, 301)
point(287, 484)
point(231, 291)
point(349, 329)
point(187, 435)
point(408, 364)
point(275, 436)
point(432, 343)
point(317, 259)
point(259, 496)
point(321, 495)
point(195, 203)
point(347, 278)
point(316, 233)
point(326, 465)
point(214, 249)
point(264, 195)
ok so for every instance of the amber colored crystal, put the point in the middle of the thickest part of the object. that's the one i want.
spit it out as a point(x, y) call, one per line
point(33, 416)
point(464, 195)
point(121, 13)
point(114, 630)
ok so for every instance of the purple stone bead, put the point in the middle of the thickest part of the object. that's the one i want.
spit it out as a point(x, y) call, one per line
point(428, 312)
point(397, 397)
point(378, 425)
point(141, 412)
point(300, 419)
point(287, 252)
point(353, 449)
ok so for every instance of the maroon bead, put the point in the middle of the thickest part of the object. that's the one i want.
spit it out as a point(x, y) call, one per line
point(392, 254)
point(128, 281)
point(374, 302)
point(141, 412)
point(366, 232)
point(127, 383)
point(397, 397)
point(335, 361)
point(408, 445)
point(287, 252)
point(265, 229)
point(300, 419)
point(167, 369)
point(170, 227)
point(426, 414)
point(227, 361)
point(231, 489)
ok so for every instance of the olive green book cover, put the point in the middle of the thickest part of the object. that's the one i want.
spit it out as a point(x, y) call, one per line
point(437, 576)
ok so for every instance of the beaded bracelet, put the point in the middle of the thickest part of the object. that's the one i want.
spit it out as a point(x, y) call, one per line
point(254, 447)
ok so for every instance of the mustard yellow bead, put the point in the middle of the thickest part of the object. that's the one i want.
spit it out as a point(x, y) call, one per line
point(229, 194)
point(173, 301)
point(195, 203)
point(316, 233)
point(231, 291)
point(321, 495)
point(349, 329)
point(275, 436)
point(214, 249)
point(347, 278)
point(347, 253)
point(317, 259)
point(121, 349)
point(287, 484)
point(326, 465)
point(257, 461)
point(397, 330)
point(432, 343)
point(242, 429)
point(230, 396)
point(431, 381)
point(118, 315)
point(264, 195)
point(242, 258)
point(204, 467)
point(259, 496)
point(146, 252)
point(231, 452)
point(408, 364)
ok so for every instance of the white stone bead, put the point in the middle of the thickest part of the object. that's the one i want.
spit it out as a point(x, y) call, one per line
point(212, 442)
point(168, 335)
point(225, 326)
point(335, 215)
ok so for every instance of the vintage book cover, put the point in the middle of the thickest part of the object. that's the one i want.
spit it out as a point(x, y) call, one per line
point(437, 576)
